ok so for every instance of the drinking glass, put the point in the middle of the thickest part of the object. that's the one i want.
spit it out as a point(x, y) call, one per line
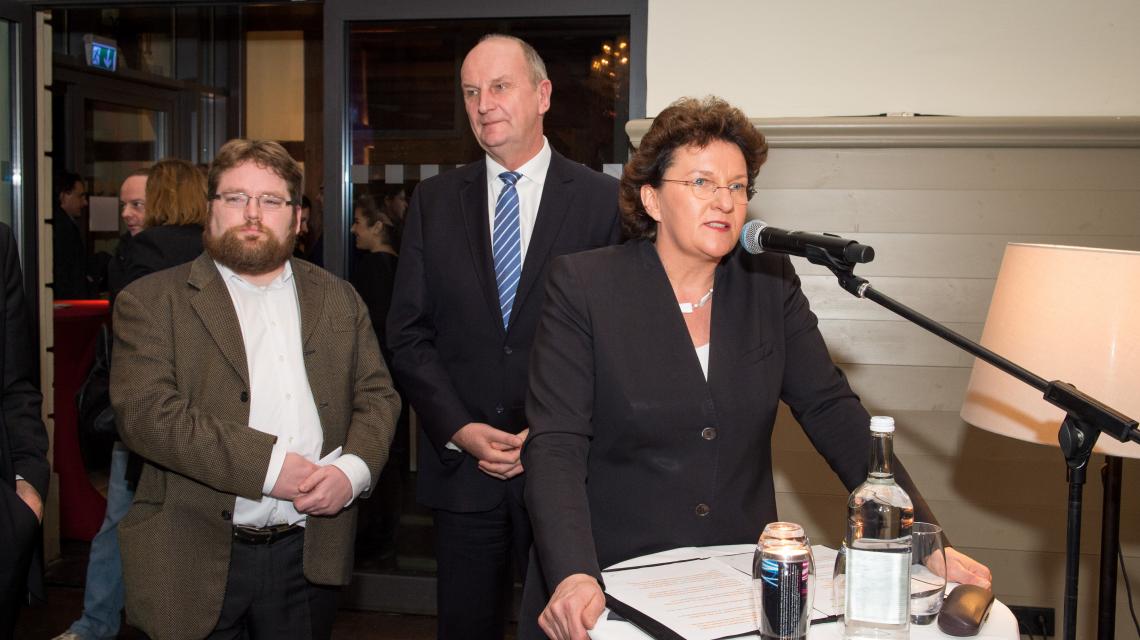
point(927, 572)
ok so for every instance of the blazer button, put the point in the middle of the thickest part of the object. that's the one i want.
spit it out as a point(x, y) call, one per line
point(499, 408)
point(244, 396)
point(227, 515)
point(508, 350)
point(708, 433)
point(702, 510)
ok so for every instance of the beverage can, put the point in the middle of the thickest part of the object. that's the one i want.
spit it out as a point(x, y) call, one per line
point(784, 580)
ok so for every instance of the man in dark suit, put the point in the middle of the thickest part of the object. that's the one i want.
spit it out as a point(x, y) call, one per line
point(69, 261)
point(23, 440)
point(253, 386)
point(467, 297)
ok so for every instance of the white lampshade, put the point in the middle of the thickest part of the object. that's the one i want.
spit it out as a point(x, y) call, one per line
point(1064, 313)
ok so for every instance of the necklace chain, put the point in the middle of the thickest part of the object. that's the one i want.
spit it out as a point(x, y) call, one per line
point(689, 307)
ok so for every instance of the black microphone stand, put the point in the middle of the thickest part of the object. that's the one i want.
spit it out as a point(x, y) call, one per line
point(1085, 419)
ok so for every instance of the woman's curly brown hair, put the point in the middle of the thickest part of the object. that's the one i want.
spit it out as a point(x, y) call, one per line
point(686, 122)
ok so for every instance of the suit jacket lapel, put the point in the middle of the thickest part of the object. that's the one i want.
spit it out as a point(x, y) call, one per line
point(557, 196)
point(310, 298)
point(473, 202)
point(734, 323)
point(668, 331)
point(215, 309)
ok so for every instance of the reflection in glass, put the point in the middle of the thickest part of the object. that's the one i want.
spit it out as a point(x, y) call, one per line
point(118, 140)
point(8, 125)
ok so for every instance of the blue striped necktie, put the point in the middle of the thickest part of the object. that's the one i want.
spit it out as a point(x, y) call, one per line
point(506, 244)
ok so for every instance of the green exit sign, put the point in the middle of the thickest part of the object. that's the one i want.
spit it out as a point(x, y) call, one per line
point(102, 53)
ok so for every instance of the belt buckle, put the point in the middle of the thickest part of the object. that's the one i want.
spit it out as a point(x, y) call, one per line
point(262, 535)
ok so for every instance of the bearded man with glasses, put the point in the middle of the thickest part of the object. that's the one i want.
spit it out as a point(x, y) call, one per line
point(252, 383)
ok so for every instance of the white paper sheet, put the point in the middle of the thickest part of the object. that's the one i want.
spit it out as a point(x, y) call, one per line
point(704, 594)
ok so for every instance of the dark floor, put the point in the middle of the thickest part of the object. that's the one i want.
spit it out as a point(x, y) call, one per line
point(65, 603)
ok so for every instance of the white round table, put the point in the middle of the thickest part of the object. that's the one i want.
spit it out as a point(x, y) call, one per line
point(1001, 624)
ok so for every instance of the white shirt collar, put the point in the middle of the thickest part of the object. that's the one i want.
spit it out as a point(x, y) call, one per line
point(533, 169)
point(278, 282)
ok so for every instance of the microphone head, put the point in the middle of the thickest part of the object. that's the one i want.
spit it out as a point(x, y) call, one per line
point(750, 236)
point(858, 253)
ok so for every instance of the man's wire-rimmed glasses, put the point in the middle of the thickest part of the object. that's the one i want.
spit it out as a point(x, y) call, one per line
point(238, 200)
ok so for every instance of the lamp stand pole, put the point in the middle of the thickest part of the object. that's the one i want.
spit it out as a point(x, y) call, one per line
point(1111, 475)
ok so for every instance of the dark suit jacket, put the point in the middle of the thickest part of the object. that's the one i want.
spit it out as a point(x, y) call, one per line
point(23, 438)
point(117, 267)
point(69, 259)
point(629, 445)
point(451, 355)
point(162, 247)
point(180, 390)
point(373, 276)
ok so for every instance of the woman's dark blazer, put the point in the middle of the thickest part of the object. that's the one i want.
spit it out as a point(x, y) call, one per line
point(162, 247)
point(631, 451)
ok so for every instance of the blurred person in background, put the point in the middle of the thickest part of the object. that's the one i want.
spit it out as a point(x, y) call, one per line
point(373, 276)
point(299, 251)
point(176, 209)
point(132, 211)
point(69, 252)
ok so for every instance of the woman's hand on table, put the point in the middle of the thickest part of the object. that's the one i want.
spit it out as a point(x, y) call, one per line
point(964, 569)
point(573, 609)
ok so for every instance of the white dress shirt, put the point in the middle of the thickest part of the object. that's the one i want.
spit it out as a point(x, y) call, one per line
point(529, 187)
point(280, 399)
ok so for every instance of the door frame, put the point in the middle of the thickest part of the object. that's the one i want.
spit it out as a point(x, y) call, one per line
point(79, 86)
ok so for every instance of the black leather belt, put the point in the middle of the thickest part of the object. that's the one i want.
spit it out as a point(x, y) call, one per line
point(265, 535)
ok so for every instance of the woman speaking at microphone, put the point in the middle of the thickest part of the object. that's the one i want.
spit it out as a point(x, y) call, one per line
point(657, 370)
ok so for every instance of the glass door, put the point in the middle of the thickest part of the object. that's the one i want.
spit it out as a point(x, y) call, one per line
point(117, 140)
point(110, 127)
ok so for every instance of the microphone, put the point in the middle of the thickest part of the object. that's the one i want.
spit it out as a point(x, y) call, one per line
point(758, 237)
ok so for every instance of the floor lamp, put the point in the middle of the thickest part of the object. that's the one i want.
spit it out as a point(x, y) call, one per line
point(1073, 314)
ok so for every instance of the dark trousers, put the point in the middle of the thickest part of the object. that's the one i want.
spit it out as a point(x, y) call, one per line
point(18, 530)
point(267, 595)
point(478, 557)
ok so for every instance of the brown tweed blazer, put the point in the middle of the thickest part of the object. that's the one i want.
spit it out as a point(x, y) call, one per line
point(180, 390)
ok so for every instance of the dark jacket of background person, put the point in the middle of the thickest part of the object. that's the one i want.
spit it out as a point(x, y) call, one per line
point(69, 259)
point(452, 357)
point(117, 267)
point(617, 395)
point(374, 277)
point(162, 247)
point(23, 440)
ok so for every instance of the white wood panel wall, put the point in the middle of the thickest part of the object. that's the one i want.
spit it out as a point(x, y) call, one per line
point(939, 211)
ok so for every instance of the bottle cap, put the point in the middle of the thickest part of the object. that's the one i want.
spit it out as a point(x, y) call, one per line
point(882, 424)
